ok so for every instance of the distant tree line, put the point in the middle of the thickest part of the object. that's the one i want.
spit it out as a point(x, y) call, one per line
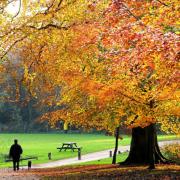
point(19, 110)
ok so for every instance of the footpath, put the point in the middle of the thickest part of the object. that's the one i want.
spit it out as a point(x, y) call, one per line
point(92, 156)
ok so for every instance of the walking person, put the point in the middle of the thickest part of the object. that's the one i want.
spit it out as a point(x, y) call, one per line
point(15, 153)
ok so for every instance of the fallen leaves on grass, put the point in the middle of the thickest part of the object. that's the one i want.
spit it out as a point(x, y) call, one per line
point(165, 172)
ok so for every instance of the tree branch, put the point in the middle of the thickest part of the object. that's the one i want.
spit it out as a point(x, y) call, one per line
point(19, 9)
point(6, 4)
point(49, 7)
point(49, 26)
point(39, 56)
point(137, 18)
point(131, 98)
point(11, 46)
point(162, 3)
point(60, 2)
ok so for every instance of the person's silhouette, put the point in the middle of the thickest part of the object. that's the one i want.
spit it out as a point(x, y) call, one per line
point(15, 153)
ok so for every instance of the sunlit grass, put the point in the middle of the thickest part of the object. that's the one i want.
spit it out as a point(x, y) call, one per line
point(41, 144)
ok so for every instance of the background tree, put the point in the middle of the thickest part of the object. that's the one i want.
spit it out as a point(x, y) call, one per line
point(33, 33)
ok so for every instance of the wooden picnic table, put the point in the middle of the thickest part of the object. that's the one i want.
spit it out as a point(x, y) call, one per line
point(69, 145)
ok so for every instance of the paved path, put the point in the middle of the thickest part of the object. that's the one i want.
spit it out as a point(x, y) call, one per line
point(91, 156)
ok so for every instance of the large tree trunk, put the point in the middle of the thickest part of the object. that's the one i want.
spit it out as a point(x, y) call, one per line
point(144, 147)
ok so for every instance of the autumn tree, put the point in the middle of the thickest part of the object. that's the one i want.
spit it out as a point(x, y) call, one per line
point(129, 68)
point(124, 71)
point(107, 66)
point(137, 73)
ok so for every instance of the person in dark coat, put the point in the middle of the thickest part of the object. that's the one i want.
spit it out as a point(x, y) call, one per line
point(15, 153)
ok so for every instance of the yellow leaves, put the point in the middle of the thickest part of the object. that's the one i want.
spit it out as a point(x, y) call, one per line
point(104, 68)
point(172, 151)
point(170, 92)
point(29, 80)
point(121, 112)
point(161, 16)
point(27, 75)
point(65, 126)
point(24, 7)
point(139, 120)
point(169, 124)
point(2, 68)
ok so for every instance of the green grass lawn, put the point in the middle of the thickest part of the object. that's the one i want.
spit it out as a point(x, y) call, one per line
point(41, 144)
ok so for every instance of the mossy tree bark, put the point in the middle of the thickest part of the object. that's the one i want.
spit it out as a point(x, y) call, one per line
point(144, 147)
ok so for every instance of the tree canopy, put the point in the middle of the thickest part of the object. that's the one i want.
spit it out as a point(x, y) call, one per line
point(105, 62)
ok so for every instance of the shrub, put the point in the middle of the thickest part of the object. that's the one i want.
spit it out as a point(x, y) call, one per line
point(172, 152)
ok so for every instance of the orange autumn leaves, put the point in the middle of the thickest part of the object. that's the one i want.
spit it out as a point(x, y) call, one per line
point(124, 62)
point(137, 63)
point(108, 64)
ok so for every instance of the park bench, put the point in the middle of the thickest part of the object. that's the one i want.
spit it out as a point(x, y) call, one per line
point(7, 159)
point(22, 159)
point(69, 145)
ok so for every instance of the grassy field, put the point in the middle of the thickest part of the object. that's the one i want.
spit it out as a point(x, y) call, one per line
point(41, 144)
